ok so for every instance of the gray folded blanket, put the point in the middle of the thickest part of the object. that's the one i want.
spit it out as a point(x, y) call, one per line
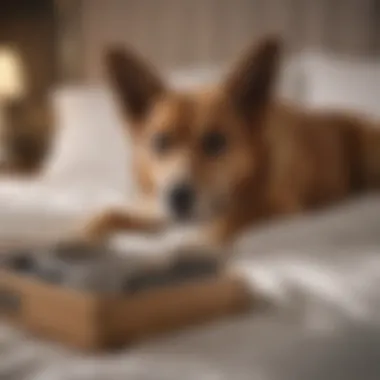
point(100, 270)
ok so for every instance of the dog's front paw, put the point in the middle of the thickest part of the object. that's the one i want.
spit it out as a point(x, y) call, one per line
point(97, 230)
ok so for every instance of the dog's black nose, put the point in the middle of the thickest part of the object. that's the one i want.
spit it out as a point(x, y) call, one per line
point(181, 200)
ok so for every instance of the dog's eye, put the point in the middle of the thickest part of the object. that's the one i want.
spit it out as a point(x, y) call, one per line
point(162, 142)
point(214, 144)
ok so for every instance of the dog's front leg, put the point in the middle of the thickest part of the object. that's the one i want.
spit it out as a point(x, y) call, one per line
point(143, 218)
point(102, 226)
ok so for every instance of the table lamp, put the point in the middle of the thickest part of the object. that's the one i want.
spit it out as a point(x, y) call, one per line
point(11, 87)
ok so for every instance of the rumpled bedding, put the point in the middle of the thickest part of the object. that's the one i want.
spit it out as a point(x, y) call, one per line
point(320, 277)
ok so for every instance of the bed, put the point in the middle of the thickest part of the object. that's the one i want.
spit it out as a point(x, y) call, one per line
point(320, 273)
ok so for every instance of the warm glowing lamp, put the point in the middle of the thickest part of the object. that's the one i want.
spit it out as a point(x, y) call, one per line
point(11, 84)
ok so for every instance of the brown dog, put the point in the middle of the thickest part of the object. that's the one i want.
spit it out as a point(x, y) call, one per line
point(231, 156)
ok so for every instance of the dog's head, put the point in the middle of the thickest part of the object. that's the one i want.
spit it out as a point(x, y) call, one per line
point(195, 149)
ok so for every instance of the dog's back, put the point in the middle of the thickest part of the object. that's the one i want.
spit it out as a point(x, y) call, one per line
point(320, 157)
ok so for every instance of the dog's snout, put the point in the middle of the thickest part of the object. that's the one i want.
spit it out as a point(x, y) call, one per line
point(181, 200)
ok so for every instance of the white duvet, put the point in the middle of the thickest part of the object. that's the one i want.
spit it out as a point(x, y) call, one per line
point(321, 276)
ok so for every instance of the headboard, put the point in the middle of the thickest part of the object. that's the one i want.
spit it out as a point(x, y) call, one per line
point(178, 33)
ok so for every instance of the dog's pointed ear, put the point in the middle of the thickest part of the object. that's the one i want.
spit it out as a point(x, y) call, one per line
point(251, 82)
point(135, 83)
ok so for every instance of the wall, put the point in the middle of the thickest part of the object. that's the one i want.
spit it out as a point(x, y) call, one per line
point(191, 32)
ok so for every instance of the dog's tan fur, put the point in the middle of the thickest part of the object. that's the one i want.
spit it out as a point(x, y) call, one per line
point(279, 159)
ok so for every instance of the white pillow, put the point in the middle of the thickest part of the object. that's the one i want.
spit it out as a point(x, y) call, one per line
point(334, 82)
point(291, 83)
point(90, 148)
point(191, 78)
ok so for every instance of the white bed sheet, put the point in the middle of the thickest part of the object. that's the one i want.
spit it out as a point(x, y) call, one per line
point(321, 274)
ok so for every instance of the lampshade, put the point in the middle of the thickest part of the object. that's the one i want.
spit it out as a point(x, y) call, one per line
point(11, 76)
